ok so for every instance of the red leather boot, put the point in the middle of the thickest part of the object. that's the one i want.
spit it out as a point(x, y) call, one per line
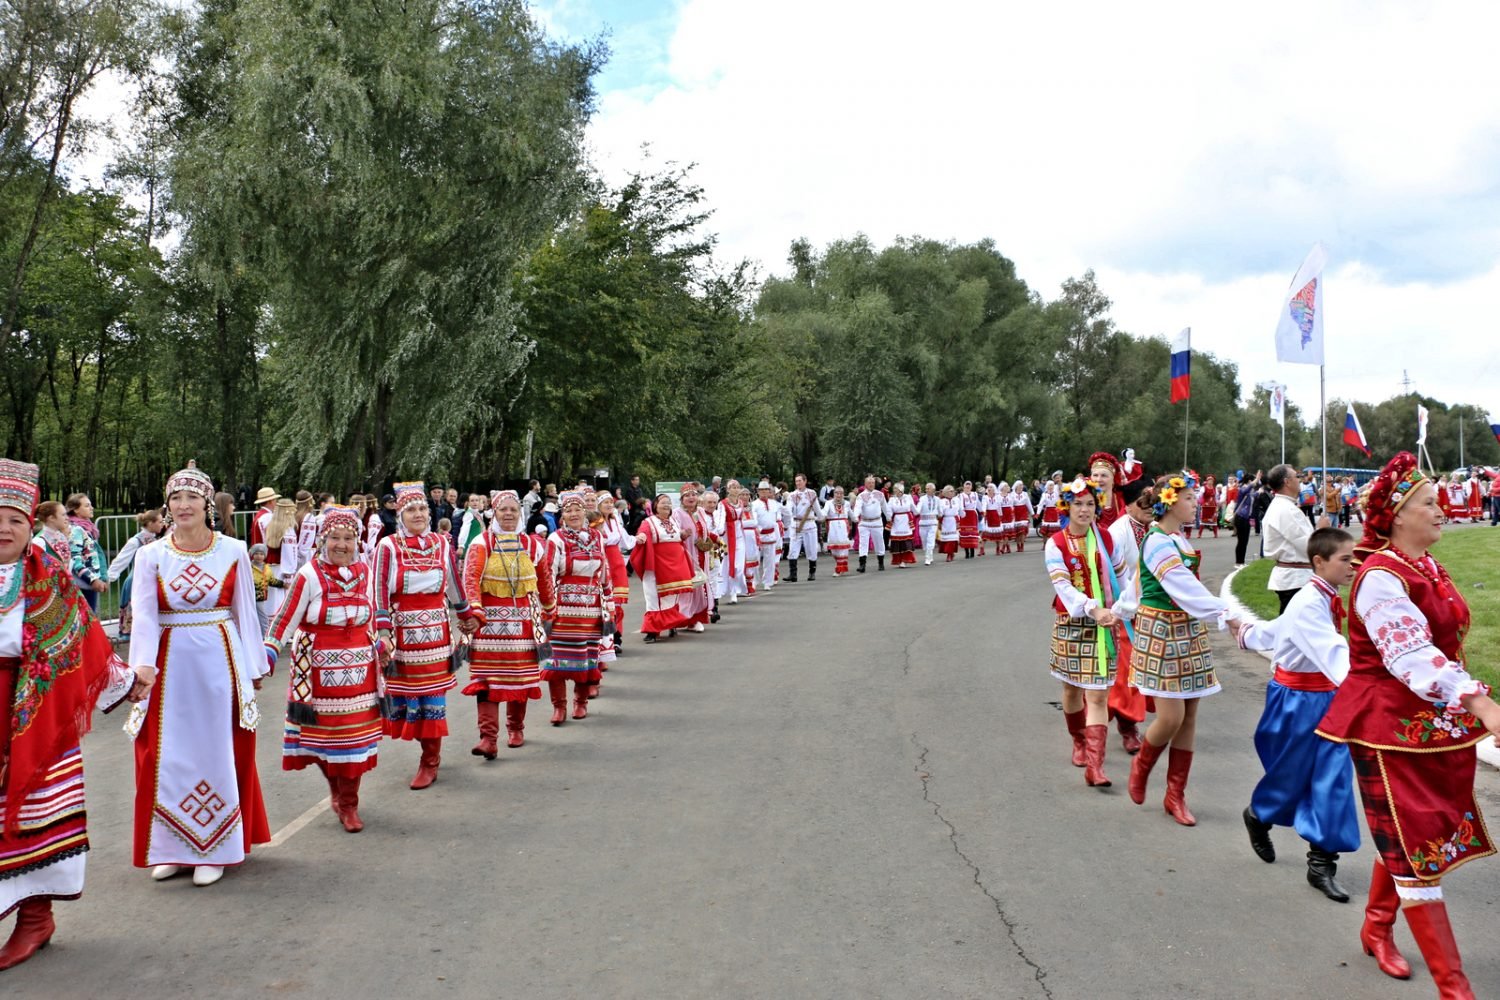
point(1093, 740)
point(34, 928)
point(559, 692)
point(580, 699)
point(427, 768)
point(515, 723)
point(1380, 918)
point(1075, 730)
point(1140, 770)
point(489, 731)
point(1130, 734)
point(349, 804)
point(1429, 925)
point(1179, 762)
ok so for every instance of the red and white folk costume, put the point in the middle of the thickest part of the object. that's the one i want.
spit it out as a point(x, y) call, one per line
point(929, 510)
point(581, 583)
point(750, 534)
point(661, 561)
point(765, 515)
point(1051, 513)
point(333, 700)
point(56, 667)
point(950, 510)
point(903, 515)
point(1021, 522)
point(617, 543)
point(1402, 712)
point(1458, 503)
point(968, 521)
point(734, 568)
point(871, 514)
point(997, 513)
point(1208, 507)
point(197, 793)
point(515, 602)
point(837, 515)
point(415, 583)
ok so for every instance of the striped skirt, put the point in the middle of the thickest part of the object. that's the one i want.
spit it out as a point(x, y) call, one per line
point(334, 674)
point(422, 674)
point(1171, 657)
point(577, 632)
point(968, 529)
point(503, 662)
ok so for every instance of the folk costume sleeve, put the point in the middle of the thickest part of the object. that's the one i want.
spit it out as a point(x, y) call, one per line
point(1163, 559)
point(1077, 603)
point(1318, 642)
point(293, 610)
point(145, 633)
point(242, 609)
point(1401, 633)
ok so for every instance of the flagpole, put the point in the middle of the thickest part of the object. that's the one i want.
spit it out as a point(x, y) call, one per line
point(1187, 416)
point(1461, 441)
point(1323, 407)
point(1283, 425)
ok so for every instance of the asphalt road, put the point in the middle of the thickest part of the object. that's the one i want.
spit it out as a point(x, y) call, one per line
point(851, 788)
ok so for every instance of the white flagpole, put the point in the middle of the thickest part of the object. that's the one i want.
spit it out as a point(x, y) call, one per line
point(1283, 425)
point(1461, 442)
point(1323, 407)
point(1187, 416)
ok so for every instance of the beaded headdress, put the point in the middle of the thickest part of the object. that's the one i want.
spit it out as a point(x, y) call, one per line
point(408, 494)
point(1390, 490)
point(497, 495)
point(339, 517)
point(190, 481)
point(569, 497)
point(19, 486)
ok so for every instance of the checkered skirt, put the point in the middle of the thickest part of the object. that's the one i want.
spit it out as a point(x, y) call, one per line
point(1074, 651)
point(1172, 658)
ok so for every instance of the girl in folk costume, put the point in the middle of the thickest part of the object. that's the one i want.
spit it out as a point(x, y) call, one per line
point(53, 538)
point(1412, 716)
point(333, 700)
point(837, 516)
point(1023, 514)
point(1208, 507)
point(197, 793)
point(661, 561)
point(306, 521)
point(280, 531)
point(56, 667)
point(1051, 510)
point(1127, 706)
point(515, 602)
point(903, 528)
point(1458, 502)
point(373, 526)
point(997, 514)
point(1105, 471)
point(1171, 659)
point(1477, 494)
point(1092, 609)
point(929, 507)
point(950, 512)
point(617, 542)
point(968, 521)
point(733, 567)
point(580, 578)
point(415, 583)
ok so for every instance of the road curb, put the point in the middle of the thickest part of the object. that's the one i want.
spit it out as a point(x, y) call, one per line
point(1489, 752)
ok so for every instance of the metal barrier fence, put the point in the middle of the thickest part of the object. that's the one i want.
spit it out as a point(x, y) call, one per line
point(117, 529)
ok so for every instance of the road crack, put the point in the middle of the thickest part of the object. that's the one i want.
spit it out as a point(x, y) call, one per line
point(924, 775)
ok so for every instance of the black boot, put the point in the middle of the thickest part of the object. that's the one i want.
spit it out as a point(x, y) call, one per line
point(861, 564)
point(791, 576)
point(1260, 838)
point(880, 563)
point(1322, 866)
point(812, 570)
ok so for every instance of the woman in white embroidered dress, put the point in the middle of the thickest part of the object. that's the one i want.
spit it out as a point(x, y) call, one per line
point(197, 793)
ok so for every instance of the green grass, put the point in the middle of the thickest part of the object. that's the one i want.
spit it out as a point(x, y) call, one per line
point(1471, 556)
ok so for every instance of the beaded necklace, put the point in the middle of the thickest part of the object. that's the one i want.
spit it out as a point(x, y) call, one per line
point(10, 590)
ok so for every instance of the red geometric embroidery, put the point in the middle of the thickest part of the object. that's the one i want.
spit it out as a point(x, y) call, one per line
point(193, 584)
point(202, 805)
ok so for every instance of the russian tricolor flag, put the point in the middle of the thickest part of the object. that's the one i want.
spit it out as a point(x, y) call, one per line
point(1354, 435)
point(1182, 357)
point(1495, 427)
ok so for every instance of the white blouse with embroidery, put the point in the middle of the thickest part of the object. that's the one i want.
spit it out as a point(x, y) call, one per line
point(1400, 632)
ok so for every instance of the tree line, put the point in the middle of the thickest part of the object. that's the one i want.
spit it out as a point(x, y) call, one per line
point(347, 243)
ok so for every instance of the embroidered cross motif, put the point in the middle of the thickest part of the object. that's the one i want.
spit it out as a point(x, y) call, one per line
point(193, 584)
point(202, 805)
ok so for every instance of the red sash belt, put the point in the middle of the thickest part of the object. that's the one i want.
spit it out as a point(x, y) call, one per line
point(1298, 681)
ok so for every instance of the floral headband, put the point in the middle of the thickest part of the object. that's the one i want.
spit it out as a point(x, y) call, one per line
point(1172, 491)
point(1078, 488)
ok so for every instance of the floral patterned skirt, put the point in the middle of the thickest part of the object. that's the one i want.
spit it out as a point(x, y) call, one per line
point(1074, 654)
point(1421, 810)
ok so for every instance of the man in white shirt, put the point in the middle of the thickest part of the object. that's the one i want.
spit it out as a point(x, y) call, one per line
point(1285, 534)
point(871, 512)
point(929, 510)
point(802, 512)
point(765, 513)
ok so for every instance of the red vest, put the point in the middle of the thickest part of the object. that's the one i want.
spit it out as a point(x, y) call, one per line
point(1372, 706)
point(1073, 552)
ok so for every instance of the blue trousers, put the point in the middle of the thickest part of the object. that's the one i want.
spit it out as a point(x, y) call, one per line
point(1309, 781)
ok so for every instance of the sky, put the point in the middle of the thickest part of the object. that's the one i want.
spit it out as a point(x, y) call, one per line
point(1189, 154)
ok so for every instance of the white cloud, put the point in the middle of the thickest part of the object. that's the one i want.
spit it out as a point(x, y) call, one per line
point(1189, 153)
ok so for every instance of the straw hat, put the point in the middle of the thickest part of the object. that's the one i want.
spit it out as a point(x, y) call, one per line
point(265, 495)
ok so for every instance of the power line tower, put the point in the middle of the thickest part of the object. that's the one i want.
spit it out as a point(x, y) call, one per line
point(1405, 382)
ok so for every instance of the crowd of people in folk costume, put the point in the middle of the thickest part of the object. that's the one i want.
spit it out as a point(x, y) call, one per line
point(382, 610)
point(1380, 698)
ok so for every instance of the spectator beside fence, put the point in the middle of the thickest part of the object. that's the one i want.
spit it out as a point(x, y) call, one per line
point(88, 560)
